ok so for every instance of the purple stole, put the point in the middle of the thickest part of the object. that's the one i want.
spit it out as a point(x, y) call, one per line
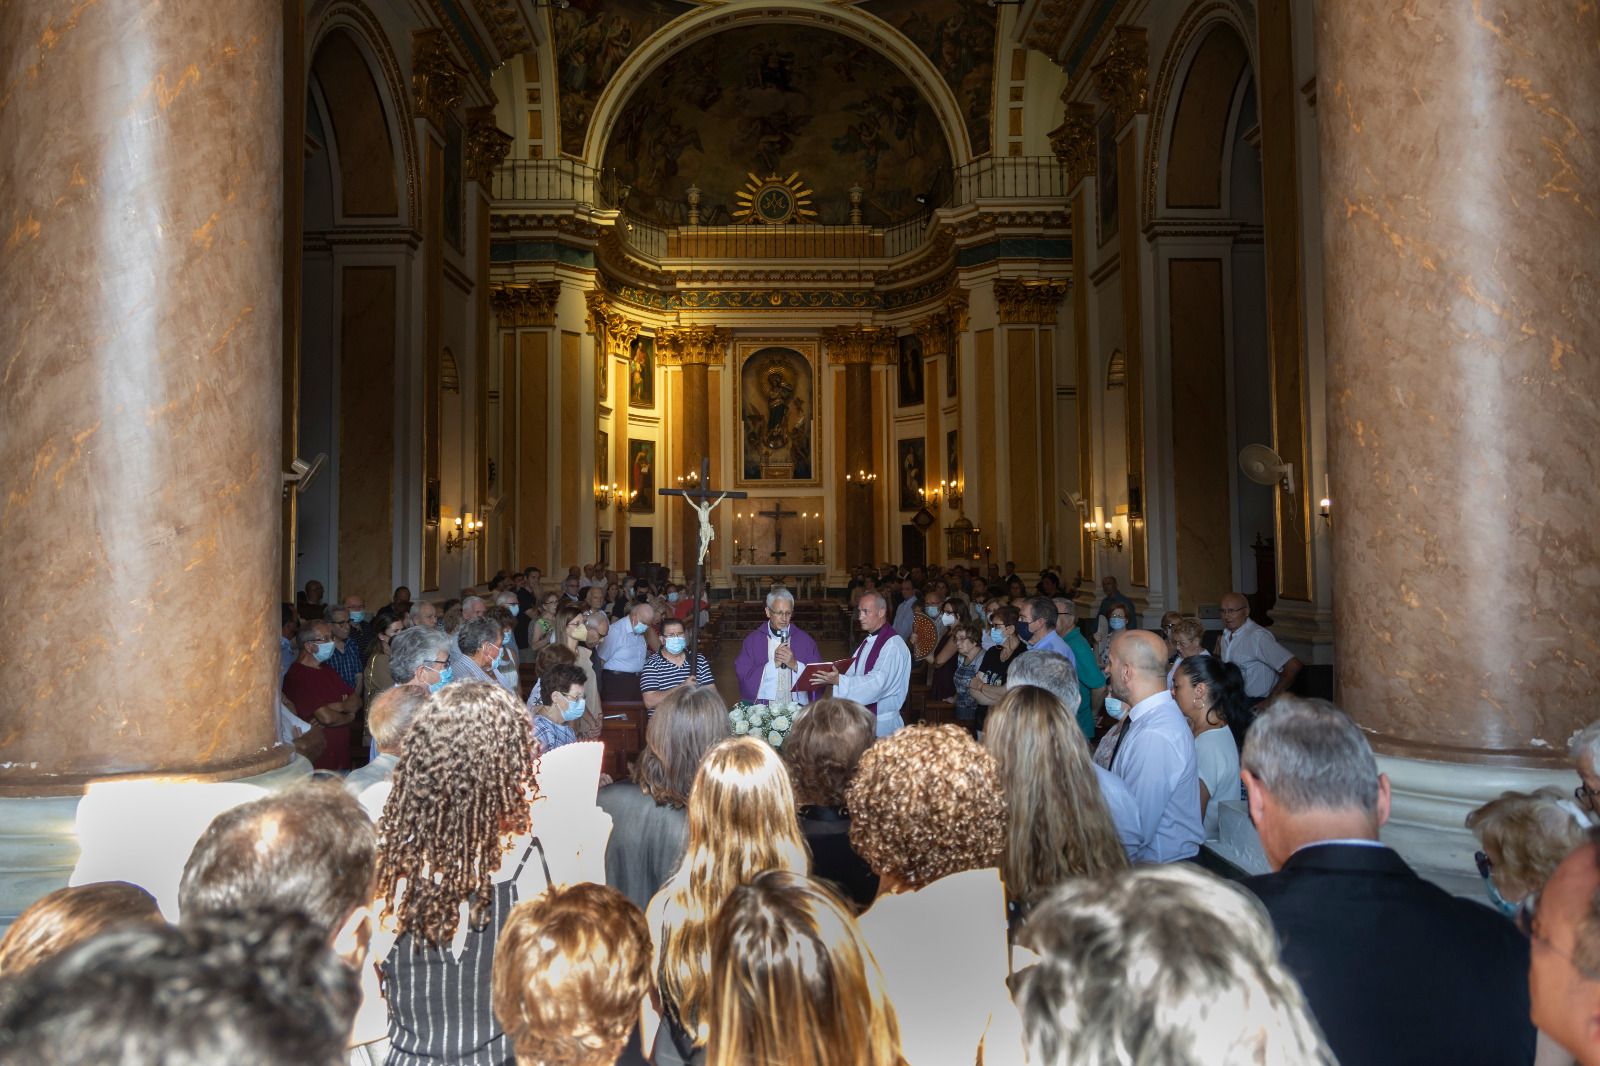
point(878, 640)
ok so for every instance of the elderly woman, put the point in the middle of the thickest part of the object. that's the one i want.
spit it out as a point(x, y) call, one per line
point(1185, 638)
point(928, 815)
point(1525, 835)
point(1585, 751)
point(822, 753)
point(449, 873)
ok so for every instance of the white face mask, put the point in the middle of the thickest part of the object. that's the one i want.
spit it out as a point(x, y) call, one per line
point(948, 620)
point(1115, 708)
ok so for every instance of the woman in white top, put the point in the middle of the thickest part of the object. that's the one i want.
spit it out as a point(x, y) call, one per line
point(1184, 637)
point(1210, 693)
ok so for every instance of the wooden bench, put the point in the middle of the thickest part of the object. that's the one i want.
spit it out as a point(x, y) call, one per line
point(623, 737)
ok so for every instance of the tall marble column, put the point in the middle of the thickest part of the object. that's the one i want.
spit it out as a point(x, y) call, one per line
point(695, 349)
point(1463, 326)
point(857, 350)
point(140, 306)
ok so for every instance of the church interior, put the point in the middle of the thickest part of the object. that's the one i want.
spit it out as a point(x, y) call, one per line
point(1204, 296)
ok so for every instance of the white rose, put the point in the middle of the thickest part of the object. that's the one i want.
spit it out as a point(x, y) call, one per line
point(740, 728)
point(775, 739)
point(781, 723)
point(737, 715)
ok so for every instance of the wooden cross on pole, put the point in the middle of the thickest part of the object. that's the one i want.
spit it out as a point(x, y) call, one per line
point(702, 493)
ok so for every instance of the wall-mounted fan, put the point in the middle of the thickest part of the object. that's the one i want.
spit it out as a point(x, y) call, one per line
point(300, 474)
point(1264, 466)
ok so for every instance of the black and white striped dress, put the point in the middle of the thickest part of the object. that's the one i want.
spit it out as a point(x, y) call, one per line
point(440, 1005)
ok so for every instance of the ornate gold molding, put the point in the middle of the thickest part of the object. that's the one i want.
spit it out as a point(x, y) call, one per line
point(1073, 142)
point(525, 305)
point(1029, 302)
point(435, 76)
point(486, 146)
point(1120, 78)
point(692, 345)
point(939, 330)
point(616, 332)
point(1048, 31)
point(506, 27)
point(860, 345)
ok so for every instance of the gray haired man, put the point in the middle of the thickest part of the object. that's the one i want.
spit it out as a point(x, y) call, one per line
point(420, 656)
point(1396, 969)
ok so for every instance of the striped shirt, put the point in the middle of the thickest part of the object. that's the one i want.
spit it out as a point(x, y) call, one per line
point(440, 1005)
point(660, 675)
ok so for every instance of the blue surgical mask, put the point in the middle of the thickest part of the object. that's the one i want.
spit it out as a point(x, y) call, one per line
point(444, 679)
point(675, 645)
point(514, 608)
point(1501, 904)
point(997, 634)
point(323, 651)
point(358, 616)
point(639, 628)
point(672, 597)
point(1119, 623)
point(1115, 708)
point(574, 710)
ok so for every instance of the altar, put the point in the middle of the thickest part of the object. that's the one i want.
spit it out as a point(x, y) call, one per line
point(805, 581)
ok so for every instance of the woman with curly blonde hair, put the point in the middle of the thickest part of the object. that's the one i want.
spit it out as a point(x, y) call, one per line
point(456, 851)
point(1057, 824)
point(928, 815)
point(741, 823)
point(794, 983)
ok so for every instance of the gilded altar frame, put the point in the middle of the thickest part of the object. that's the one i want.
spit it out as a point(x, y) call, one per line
point(776, 399)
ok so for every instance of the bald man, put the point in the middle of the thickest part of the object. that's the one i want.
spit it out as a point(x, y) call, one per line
point(1268, 667)
point(1152, 750)
point(880, 675)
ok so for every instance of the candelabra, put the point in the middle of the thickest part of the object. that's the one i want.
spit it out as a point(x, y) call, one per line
point(464, 529)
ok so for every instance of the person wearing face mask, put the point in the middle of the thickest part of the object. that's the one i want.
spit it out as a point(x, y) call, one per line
point(773, 653)
point(505, 663)
point(1524, 835)
point(1116, 622)
point(668, 668)
point(623, 652)
point(477, 646)
point(561, 705)
point(319, 695)
point(568, 640)
point(376, 675)
point(942, 671)
point(360, 623)
point(968, 654)
point(1036, 623)
point(989, 686)
point(420, 656)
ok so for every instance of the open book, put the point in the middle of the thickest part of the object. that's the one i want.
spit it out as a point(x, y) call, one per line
point(807, 679)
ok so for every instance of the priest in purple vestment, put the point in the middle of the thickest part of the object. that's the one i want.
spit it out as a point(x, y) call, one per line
point(773, 653)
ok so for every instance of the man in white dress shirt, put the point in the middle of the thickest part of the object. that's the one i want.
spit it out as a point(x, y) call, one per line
point(1268, 668)
point(881, 674)
point(1153, 752)
point(623, 652)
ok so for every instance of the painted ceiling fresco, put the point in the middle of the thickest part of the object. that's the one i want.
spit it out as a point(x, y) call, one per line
point(592, 38)
point(959, 37)
point(777, 99)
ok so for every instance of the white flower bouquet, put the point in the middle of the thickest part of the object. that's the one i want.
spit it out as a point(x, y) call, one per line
point(769, 721)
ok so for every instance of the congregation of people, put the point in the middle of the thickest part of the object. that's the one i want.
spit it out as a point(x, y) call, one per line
point(979, 841)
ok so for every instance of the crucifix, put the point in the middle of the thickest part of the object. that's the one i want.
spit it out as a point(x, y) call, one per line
point(777, 514)
point(704, 499)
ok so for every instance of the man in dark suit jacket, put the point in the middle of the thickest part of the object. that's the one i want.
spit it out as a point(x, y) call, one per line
point(1396, 970)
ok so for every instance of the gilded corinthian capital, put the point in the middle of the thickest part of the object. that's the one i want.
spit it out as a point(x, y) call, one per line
point(939, 330)
point(486, 145)
point(1073, 142)
point(435, 77)
point(1029, 301)
point(849, 345)
point(525, 305)
point(692, 345)
point(1120, 78)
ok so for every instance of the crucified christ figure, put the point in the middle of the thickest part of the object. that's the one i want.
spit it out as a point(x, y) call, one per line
point(707, 534)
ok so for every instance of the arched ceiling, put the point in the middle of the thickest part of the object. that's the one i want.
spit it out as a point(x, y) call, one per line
point(777, 99)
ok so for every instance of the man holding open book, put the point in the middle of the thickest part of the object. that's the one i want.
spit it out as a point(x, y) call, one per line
point(879, 675)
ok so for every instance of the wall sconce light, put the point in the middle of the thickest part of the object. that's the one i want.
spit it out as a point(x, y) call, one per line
point(604, 494)
point(930, 498)
point(465, 529)
point(689, 481)
point(1104, 534)
point(1325, 505)
point(954, 494)
point(860, 479)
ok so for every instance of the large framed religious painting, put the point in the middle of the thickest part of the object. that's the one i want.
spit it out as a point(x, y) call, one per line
point(911, 370)
point(1105, 186)
point(776, 397)
point(641, 485)
point(913, 470)
point(642, 372)
point(455, 221)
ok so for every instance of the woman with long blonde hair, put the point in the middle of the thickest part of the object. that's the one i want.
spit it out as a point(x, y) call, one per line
point(1057, 824)
point(794, 983)
point(741, 823)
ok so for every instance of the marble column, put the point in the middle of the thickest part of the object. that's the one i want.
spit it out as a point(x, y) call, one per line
point(858, 350)
point(1463, 326)
point(140, 413)
point(695, 349)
